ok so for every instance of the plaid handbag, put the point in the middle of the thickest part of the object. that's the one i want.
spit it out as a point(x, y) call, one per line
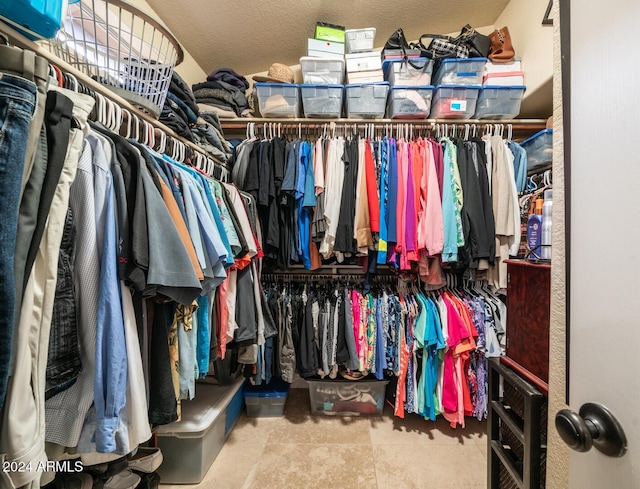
point(468, 43)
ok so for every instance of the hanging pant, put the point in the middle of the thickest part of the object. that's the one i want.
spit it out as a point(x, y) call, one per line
point(17, 105)
point(23, 424)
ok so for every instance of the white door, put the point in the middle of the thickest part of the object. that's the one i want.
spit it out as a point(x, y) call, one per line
point(604, 256)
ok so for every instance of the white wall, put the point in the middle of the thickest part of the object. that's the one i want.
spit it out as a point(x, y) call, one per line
point(533, 42)
point(557, 450)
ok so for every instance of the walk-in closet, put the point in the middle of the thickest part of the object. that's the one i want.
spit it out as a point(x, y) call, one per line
point(310, 244)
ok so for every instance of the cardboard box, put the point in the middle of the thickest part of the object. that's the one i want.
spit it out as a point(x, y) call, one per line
point(372, 76)
point(363, 62)
point(329, 32)
point(327, 48)
point(360, 40)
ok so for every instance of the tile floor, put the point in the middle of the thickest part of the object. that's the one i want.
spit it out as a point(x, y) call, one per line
point(304, 451)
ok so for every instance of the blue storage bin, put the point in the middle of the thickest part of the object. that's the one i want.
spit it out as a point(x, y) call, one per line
point(321, 100)
point(539, 148)
point(278, 99)
point(266, 401)
point(460, 71)
point(36, 19)
point(366, 101)
point(454, 102)
point(497, 102)
point(409, 102)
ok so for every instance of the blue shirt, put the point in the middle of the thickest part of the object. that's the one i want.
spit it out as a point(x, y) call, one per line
point(110, 380)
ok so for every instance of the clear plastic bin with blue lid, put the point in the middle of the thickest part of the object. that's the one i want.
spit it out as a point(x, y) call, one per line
point(267, 400)
point(539, 148)
point(278, 100)
point(407, 102)
point(321, 100)
point(498, 102)
point(460, 71)
point(413, 71)
point(454, 102)
point(366, 100)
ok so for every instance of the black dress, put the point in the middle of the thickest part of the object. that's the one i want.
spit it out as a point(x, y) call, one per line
point(345, 242)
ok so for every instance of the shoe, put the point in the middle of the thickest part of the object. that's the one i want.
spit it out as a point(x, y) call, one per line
point(123, 480)
point(146, 460)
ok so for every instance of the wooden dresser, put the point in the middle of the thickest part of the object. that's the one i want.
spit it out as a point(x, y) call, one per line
point(518, 383)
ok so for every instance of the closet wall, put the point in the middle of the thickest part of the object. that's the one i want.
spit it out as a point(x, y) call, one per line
point(558, 452)
point(189, 69)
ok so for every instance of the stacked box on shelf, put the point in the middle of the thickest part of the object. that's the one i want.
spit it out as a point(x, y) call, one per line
point(409, 102)
point(322, 89)
point(454, 102)
point(321, 100)
point(363, 65)
point(412, 72)
point(460, 71)
point(322, 70)
point(498, 102)
point(366, 100)
point(324, 49)
point(503, 74)
point(278, 100)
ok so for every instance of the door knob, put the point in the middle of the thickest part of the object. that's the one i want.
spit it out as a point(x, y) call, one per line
point(594, 426)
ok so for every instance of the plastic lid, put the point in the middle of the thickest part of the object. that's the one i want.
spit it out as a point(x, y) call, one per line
point(320, 85)
point(539, 204)
point(536, 135)
point(199, 414)
point(548, 194)
point(412, 87)
point(277, 388)
point(268, 84)
point(474, 87)
point(462, 60)
point(377, 84)
point(327, 59)
point(505, 87)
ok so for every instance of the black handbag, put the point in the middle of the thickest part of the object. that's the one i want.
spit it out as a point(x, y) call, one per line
point(478, 44)
point(398, 42)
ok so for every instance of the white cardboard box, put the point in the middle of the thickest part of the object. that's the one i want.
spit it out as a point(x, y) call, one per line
point(371, 76)
point(360, 40)
point(363, 62)
point(515, 65)
point(326, 47)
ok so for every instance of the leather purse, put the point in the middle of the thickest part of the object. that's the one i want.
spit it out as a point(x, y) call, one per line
point(478, 44)
point(501, 46)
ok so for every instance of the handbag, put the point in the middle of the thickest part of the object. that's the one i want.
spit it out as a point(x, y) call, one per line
point(469, 43)
point(501, 46)
point(479, 45)
point(398, 42)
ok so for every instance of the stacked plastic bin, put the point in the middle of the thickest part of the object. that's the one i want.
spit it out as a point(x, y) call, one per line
point(502, 91)
point(411, 90)
point(458, 82)
point(366, 92)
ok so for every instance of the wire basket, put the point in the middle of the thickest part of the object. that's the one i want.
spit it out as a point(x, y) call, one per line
point(121, 47)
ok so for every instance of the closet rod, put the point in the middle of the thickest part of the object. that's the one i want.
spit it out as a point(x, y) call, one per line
point(20, 40)
point(518, 124)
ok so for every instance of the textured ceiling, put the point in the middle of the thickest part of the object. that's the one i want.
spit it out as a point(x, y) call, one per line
point(248, 36)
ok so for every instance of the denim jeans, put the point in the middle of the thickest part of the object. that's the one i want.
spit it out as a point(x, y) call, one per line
point(17, 105)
